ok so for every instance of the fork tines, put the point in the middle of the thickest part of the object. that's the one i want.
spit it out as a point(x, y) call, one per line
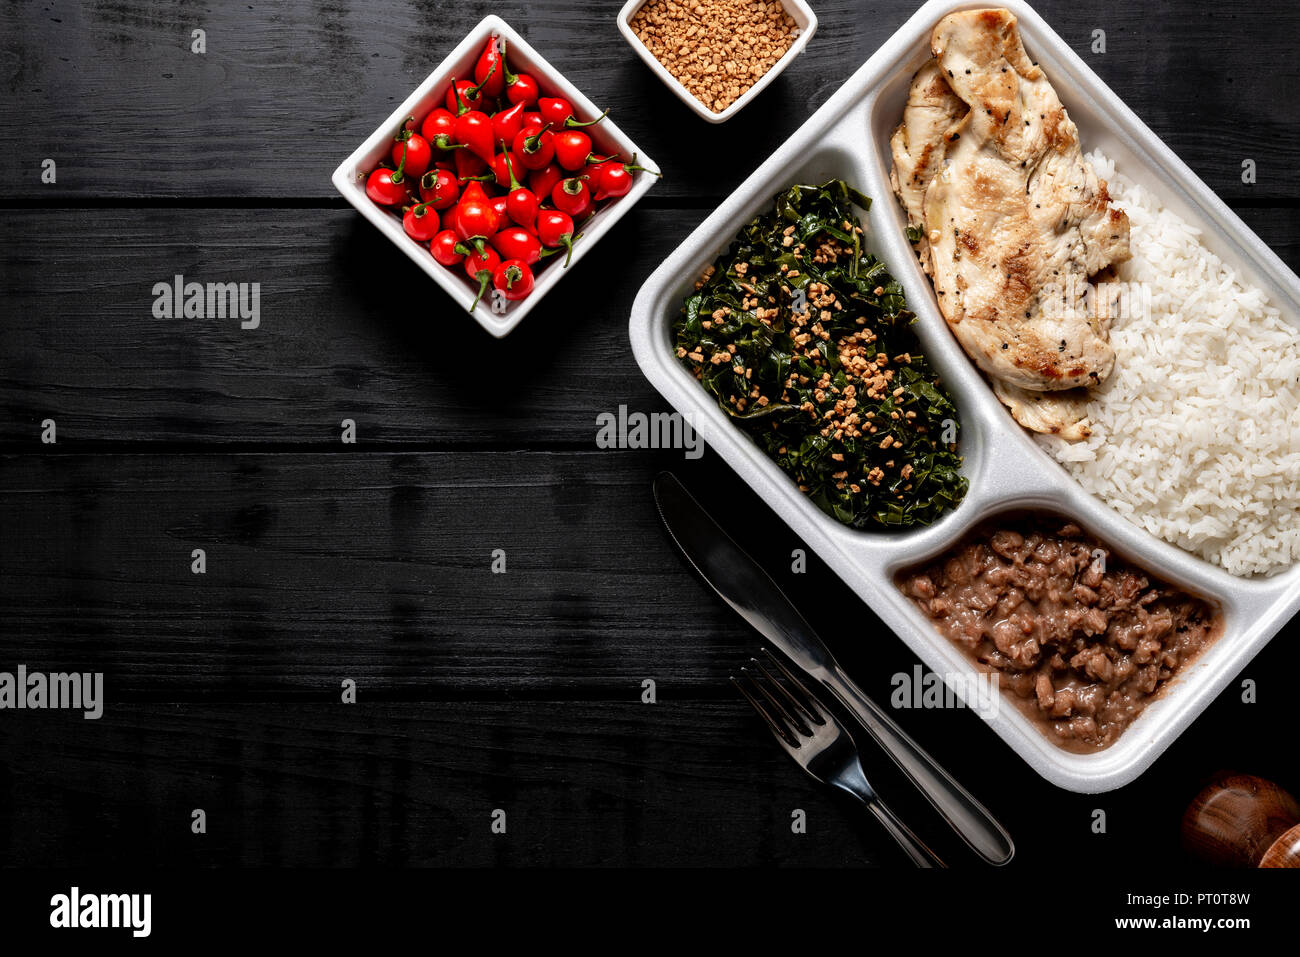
point(786, 715)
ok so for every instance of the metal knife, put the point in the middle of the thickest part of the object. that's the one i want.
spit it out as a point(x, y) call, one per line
point(743, 585)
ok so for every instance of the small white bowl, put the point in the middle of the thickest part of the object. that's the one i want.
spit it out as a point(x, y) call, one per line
point(350, 177)
point(805, 22)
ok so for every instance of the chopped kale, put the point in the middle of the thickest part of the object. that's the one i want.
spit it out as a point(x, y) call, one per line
point(803, 338)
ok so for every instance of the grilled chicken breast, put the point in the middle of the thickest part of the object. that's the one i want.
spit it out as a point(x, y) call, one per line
point(1015, 220)
point(1063, 413)
point(918, 146)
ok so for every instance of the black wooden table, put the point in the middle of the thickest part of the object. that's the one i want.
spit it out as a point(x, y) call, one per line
point(370, 562)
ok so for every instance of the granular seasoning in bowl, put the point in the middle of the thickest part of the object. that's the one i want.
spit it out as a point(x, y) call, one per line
point(717, 49)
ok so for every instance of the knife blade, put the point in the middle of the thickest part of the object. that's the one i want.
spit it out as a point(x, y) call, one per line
point(750, 591)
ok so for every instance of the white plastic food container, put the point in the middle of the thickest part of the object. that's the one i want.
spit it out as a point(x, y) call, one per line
point(805, 22)
point(848, 138)
point(350, 177)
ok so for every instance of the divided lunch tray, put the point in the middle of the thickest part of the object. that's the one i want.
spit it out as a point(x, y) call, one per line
point(848, 138)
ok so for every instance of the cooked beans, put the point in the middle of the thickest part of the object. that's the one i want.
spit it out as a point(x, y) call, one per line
point(1083, 640)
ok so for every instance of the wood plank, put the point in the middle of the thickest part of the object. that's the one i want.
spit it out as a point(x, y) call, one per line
point(349, 329)
point(376, 567)
point(286, 90)
point(340, 336)
point(677, 783)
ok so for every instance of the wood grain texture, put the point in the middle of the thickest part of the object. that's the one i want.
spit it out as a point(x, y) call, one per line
point(677, 783)
point(371, 562)
point(377, 567)
point(415, 785)
point(374, 567)
point(286, 90)
point(348, 330)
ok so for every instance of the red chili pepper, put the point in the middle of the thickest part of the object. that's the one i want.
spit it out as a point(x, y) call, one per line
point(513, 279)
point(480, 266)
point(555, 229)
point(475, 260)
point(443, 248)
point(458, 93)
point(572, 149)
point(555, 110)
point(439, 122)
point(542, 181)
point(521, 202)
point(413, 150)
point(515, 242)
point(506, 123)
point(474, 129)
point(470, 166)
point(439, 129)
point(613, 179)
point(439, 188)
point(598, 163)
point(499, 205)
point(476, 218)
point(532, 121)
point(533, 150)
point(598, 166)
point(572, 196)
point(386, 187)
point(520, 88)
point(501, 169)
point(420, 222)
point(488, 72)
point(463, 96)
point(559, 113)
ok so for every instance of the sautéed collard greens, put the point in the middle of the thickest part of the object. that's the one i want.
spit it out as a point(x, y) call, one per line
point(804, 339)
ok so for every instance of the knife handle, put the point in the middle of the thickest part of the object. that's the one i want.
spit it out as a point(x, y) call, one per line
point(965, 815)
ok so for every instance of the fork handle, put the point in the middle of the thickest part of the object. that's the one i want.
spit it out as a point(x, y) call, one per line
point(964, 814)
point(921, 855)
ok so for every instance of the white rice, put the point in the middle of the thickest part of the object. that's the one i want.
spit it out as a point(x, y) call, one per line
point(1196, 433)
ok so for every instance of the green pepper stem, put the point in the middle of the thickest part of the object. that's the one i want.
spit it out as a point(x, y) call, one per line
point(533, 143)
point(505, 67)
point(514, 183)
point(397, 176)
point(568, 244)
point(484, 277)
point(478, 87)
point(572, 124)
point(630, 167)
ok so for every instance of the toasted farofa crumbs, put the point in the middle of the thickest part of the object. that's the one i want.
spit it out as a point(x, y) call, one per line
point(717, 49)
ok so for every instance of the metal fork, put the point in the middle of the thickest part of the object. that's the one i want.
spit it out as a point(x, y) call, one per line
point(810, 734)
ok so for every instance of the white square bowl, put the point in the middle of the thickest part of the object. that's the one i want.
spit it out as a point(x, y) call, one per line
point(805, 22)
point(606, 137)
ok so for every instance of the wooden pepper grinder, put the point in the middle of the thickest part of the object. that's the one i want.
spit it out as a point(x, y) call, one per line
point(1239, 820)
